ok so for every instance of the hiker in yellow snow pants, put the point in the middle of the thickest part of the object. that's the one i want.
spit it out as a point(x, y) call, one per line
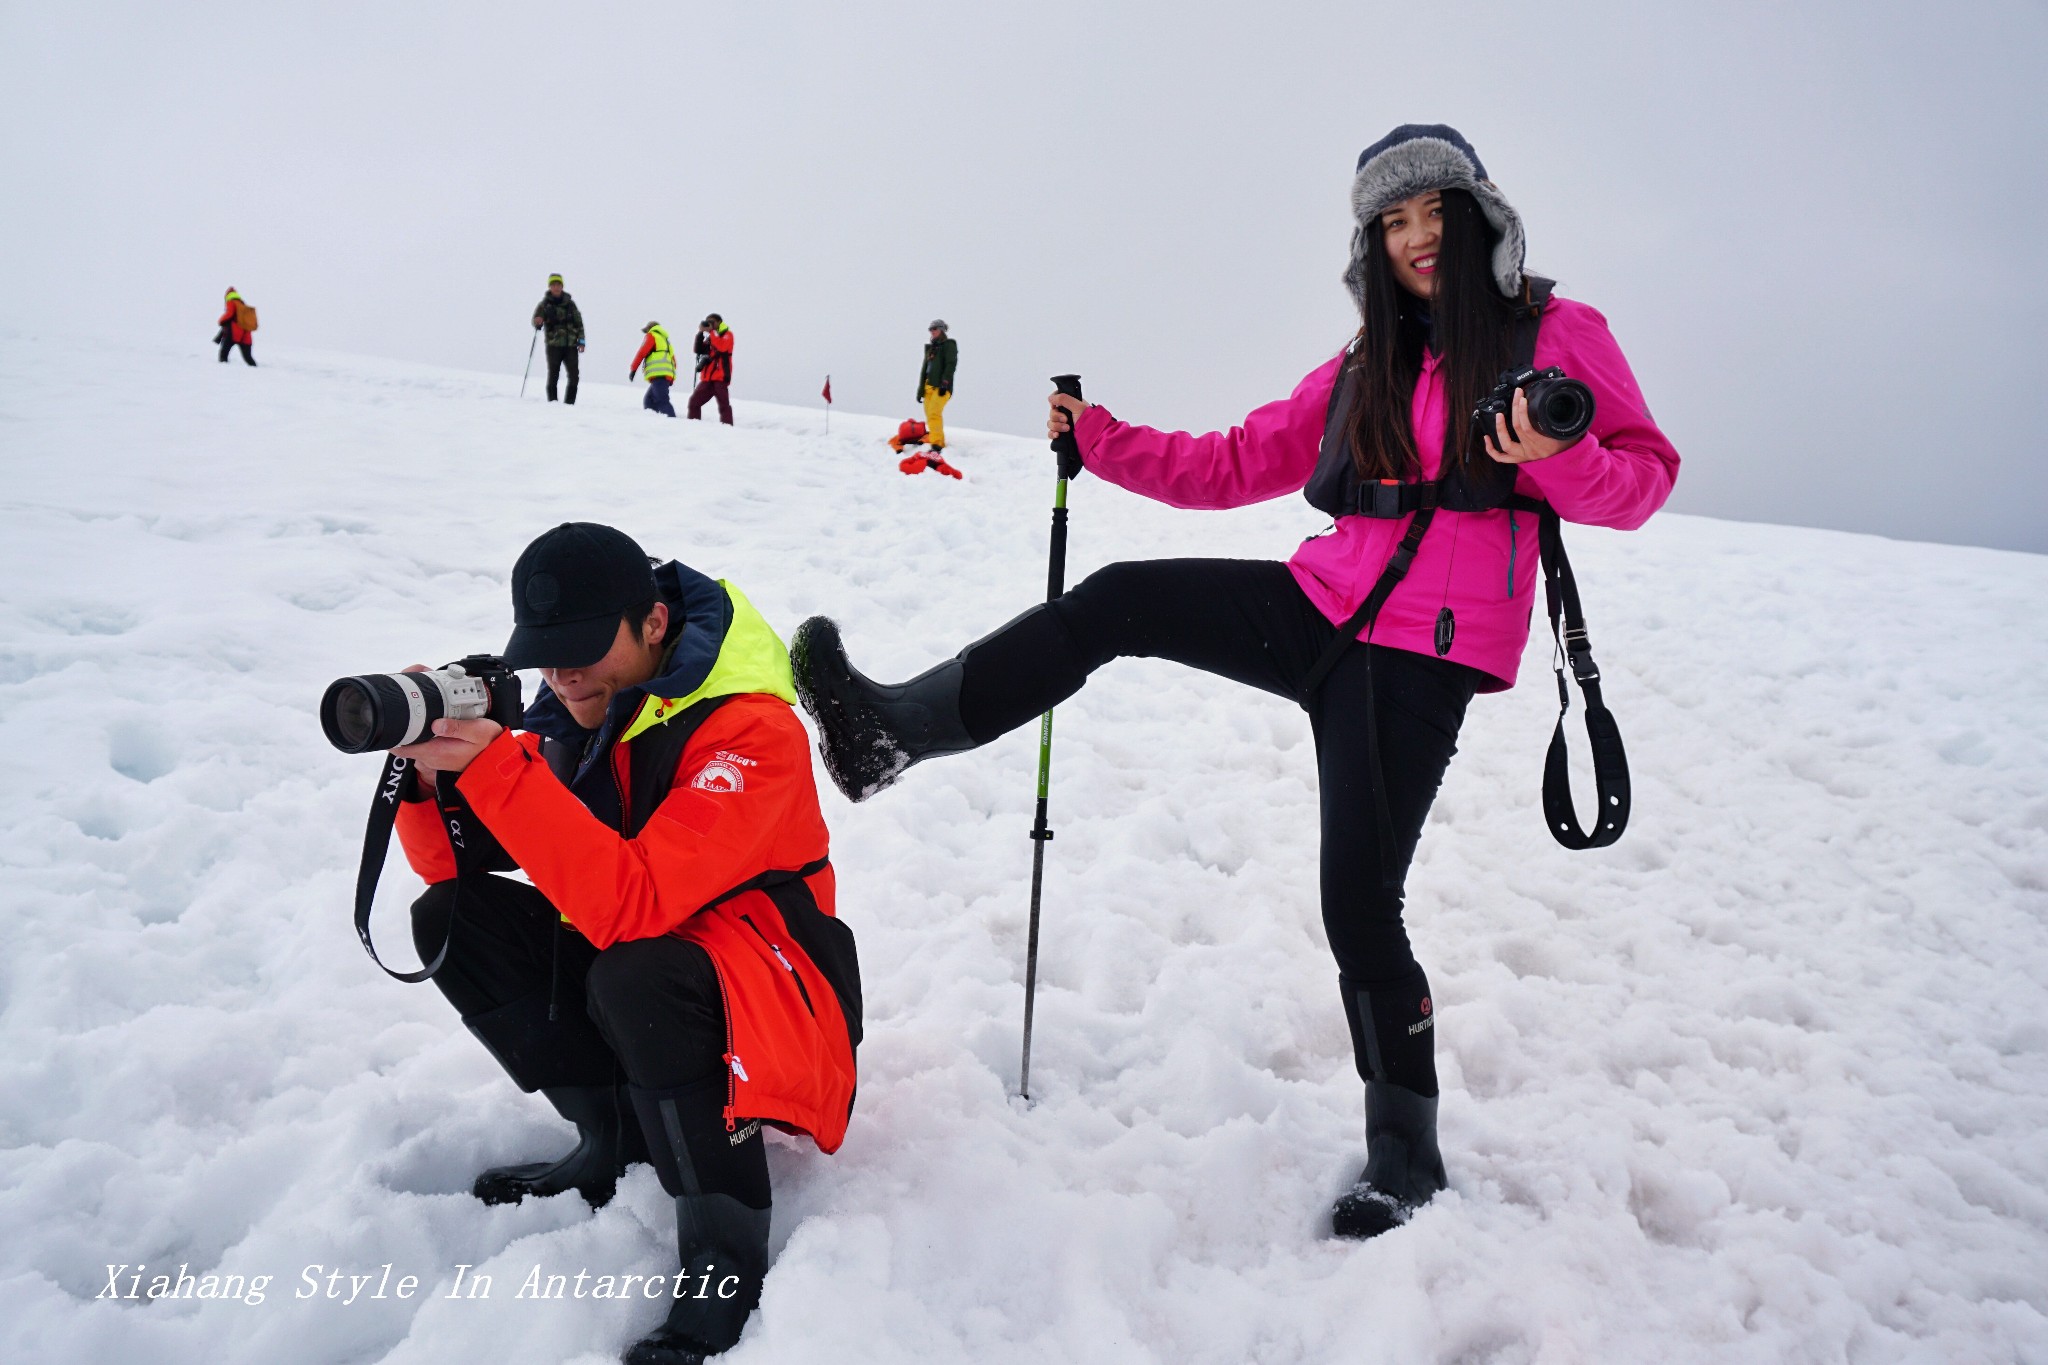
point(935, 382)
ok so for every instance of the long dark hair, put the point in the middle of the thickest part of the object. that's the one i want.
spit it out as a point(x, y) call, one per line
point(1474, 326)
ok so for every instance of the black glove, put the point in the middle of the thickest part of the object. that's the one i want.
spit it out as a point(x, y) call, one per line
point(946, 392)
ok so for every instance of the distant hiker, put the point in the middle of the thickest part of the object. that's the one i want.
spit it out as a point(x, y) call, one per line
point(237, 328)
point(659, 358)
point(935, 380)
point(1382, 437)
point(714, 368)
point(674, 976)
point(563, 321)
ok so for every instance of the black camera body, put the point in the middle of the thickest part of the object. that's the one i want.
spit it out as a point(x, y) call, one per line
point(1560, 408)
point(375, 711)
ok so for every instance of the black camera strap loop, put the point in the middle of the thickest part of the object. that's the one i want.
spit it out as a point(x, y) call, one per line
point(398, 772)
point(1573, 649)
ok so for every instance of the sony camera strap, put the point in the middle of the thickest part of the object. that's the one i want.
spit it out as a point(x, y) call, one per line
point(1610, 762)
point(377, 843)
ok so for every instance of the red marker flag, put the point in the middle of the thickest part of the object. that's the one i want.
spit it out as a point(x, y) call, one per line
point(828, 389)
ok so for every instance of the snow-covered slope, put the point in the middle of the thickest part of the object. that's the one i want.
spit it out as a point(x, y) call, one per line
point(1766, 1082)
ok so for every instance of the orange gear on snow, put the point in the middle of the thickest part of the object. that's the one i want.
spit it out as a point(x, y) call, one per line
point(909, 433)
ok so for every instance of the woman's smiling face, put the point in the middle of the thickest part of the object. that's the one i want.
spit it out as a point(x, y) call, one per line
point(1413, 230)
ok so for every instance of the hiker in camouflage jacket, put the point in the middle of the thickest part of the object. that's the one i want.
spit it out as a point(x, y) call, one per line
point(563, 320)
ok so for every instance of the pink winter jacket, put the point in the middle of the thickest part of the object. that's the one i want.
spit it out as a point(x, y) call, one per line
point(1483, 565)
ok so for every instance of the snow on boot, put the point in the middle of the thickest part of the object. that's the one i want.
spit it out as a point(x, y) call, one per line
point(869, 732)
point(608, 1140)
point(723, 1246)
point(1403, 1167)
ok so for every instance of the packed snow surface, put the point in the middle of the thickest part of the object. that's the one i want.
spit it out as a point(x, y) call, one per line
point(1768, 1081)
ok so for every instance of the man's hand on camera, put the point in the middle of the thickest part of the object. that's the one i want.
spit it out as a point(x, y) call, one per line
point(455, 744)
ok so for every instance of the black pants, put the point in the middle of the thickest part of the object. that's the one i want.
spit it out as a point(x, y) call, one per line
point(560, 357)
point(647, 1011)
point(1249, 621)
point(228, 343)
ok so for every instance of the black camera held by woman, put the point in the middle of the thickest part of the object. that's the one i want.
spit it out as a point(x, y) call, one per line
point(1560, 408)
point(384, 710)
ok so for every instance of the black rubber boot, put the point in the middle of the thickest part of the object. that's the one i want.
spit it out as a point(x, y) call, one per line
point(720, 1182)
point(870, 732)
point(1403, 1168)
point(566, 1060)
point(723, 1246)
point(608, 1140)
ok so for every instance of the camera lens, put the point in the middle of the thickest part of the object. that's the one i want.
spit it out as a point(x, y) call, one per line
point(1561, 409)
point(378, 711)
point(354, 719)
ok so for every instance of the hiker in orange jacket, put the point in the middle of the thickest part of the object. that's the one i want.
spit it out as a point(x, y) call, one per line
point(675, 975)
point(232, 332)
point(714, 369)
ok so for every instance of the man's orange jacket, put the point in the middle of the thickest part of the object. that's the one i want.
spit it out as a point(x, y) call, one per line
point(717, 355)
point(694, 813)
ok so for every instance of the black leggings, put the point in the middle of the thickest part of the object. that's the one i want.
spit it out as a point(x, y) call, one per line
point(1249, 621)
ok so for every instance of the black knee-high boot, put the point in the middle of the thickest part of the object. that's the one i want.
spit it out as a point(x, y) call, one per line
point(554, 1057)
point(720, 1184)
point(870, 732)
point(1393, 1027)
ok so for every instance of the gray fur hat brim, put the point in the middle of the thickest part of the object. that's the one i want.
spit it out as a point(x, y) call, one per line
point(1418, 166)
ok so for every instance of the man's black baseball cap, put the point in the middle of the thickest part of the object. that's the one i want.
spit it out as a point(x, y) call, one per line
point(570, 590)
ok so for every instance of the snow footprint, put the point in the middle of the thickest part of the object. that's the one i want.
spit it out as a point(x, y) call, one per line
point(138, 750)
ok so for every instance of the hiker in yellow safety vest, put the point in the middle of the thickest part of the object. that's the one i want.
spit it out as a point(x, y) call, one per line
point(656, 359)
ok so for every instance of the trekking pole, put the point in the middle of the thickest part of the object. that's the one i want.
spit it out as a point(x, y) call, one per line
point(529, 362)
point(1069, 453)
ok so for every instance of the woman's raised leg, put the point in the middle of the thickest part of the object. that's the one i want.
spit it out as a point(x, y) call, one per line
point(1243, 619)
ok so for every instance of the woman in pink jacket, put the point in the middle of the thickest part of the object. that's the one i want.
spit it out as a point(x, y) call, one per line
point(1378, 432)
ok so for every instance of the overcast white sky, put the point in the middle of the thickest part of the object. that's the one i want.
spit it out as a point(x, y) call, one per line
point(1815, 229)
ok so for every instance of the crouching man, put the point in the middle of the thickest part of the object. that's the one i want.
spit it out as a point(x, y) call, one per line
point(675, 976)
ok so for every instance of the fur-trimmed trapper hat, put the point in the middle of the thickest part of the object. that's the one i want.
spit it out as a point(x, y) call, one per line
point(1419, 157)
